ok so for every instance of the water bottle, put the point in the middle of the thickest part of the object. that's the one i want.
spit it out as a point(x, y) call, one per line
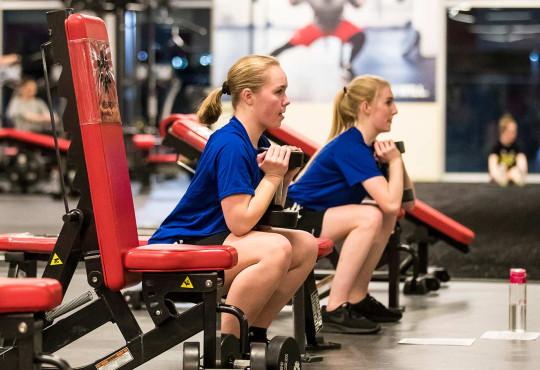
point(518, 300)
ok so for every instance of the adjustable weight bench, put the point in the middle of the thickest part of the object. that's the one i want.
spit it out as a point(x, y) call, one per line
point(101, 230)
point(22, 306)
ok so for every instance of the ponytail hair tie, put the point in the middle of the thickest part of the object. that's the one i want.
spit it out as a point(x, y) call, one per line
point(225, 88)
point(344, 89)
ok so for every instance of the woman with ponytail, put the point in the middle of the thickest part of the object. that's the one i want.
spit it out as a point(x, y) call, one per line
point(330, 196)
point(232, 188)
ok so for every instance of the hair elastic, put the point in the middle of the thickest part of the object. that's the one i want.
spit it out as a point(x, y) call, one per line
point(225, 88)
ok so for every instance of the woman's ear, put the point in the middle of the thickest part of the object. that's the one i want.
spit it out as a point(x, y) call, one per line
point(247, 96)
point(364, 107)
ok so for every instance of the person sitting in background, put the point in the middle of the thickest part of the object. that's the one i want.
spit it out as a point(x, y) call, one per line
point(26, 111)
point(330, 197)
point(507, 163)
point(9, 59)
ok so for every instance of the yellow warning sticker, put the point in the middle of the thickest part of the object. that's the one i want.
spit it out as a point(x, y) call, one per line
point(56, 260)
point(187, 283)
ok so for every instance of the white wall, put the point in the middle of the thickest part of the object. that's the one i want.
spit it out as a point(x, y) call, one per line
point(420, 125)
point(417, 124)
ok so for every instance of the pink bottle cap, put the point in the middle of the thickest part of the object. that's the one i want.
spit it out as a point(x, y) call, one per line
point(518, 276)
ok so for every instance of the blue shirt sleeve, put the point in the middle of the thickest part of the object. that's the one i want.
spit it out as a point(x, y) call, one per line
point(357, 163)
point(234, 171)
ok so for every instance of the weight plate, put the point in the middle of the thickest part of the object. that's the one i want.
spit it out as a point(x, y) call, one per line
point(257, 357)
point(230, 351)
point(192, 356)
point(283, 353)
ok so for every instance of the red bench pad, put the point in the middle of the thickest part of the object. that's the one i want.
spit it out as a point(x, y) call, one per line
point(326, 246)
point(444, 224)
point(180, 257)
point(29, 294)
point(292, 137)
point(190, 131)
point(34, 138)
point(144, 142)
point(162, 158)
point(25, 242)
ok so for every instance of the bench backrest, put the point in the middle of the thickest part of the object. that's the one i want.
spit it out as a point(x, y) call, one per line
point(103, 143)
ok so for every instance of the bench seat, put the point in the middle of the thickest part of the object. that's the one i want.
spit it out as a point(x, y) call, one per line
point(180, 257)
point(29, 295)
point(326, 246)
point(42, 244)
point(34, 138)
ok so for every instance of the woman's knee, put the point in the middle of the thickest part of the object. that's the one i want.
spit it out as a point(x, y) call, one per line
point(277, 251)
point(372, 219)
point(306, 247)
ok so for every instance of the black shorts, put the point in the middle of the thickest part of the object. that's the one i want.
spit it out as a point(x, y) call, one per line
point(309, 220)
point(215, 239)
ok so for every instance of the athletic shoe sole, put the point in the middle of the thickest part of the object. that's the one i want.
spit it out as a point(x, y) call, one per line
point(336, 328)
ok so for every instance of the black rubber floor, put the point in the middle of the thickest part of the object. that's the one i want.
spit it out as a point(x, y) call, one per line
point(506, 222)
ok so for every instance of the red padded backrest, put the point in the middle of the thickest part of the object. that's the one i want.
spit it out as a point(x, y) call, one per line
point(442, 223)
point(292, 137)
point(34, 138)
point(187, 128)
point(102, 137)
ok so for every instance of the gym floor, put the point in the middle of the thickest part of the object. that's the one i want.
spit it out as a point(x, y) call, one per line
point(462, 308)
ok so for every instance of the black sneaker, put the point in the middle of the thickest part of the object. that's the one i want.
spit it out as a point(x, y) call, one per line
point(375, 310)
point(345, 320)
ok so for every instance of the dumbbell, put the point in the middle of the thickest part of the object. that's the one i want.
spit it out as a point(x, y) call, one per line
point(282, 353)
point(400, 145)
point(276, 215)
point(408, 194)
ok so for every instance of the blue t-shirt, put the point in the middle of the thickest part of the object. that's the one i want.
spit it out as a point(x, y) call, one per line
point(335, 177)
point(228, 166)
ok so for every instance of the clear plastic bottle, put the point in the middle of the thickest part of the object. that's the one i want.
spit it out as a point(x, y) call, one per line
point(517, 318)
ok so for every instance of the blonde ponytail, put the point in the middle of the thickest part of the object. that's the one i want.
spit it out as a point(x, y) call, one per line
point(345, 112)
point(210, 108)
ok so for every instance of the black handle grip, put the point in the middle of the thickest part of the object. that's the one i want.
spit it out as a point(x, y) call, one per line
point(296, 159)
point(401, 146)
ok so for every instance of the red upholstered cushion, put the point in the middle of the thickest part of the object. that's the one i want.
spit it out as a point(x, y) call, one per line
point(166, 123)
point(162, 158)
point(144, 142)
point(29, 294)
point(34, 138)
point(102, 137)
point(26, 242)
point(292, 137)
point(180, 257)
point(442, 223)
point(190, 131)
point(325, 247)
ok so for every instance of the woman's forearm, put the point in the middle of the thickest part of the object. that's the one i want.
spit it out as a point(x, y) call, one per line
point(242, 212)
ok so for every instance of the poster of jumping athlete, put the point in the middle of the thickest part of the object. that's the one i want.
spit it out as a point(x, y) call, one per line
point(323, 44)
